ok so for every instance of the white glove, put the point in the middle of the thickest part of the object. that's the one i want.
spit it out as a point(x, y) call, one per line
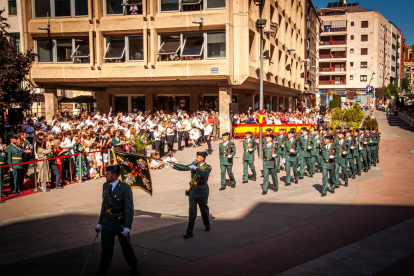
point(274, 155)
point(360, 148)
point(98, 228)
point(192, 167)
point(229, 156)
point(352, 147)
point(292, 151)
point(250, 150)
point(344, 152)
point(331, 157)
point(365, 143)
point(283, 146)
point(283, 160)
point(309, 147)
point(125, 232)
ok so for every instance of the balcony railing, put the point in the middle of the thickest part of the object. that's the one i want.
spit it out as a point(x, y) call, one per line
point(327, 69)
point(332, 82)
point(322, 82)
point(336, 55)
point(333, 30)
point(333, 42)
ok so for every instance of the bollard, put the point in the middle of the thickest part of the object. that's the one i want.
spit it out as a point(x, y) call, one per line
point(44, 174)
point(80, 168)
point(109, 157)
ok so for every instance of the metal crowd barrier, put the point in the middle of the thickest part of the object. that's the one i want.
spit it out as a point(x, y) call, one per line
point(46, 171)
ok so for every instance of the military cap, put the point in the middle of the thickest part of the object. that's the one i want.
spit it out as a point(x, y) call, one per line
point(269, 135)
point(348, 131)
point(337, 128)
point(226, 134)
point(67, 133)
point(291, 131)
point(248, 133)
point(361, 128)
point(331, 128)
point(325, 129)
point(113, 168)
point(305, 129)
point(328, 136)
point(202, 154)
point(268, 129)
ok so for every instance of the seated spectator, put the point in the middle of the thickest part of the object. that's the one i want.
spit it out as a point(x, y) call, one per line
point(93, 172)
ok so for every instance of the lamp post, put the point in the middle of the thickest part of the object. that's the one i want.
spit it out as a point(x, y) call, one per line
point(372, 77)
point(260, 23)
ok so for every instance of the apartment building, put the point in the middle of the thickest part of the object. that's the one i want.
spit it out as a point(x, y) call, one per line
point(12, 12)
point(358, 48)
point(409, 63)
point(148, 54)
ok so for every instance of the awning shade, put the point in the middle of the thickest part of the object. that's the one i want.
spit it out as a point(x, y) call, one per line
point(338, 49)
point(338, 24)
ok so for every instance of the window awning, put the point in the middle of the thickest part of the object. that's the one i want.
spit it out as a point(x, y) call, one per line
point(115, 49)
point(169, 47)
point(327, 23)
point(338, 49)
point(338, 24)
point(190, 2)
point(193, 46)
point(132, 3)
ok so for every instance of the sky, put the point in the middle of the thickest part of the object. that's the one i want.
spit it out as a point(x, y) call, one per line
point(400, 12)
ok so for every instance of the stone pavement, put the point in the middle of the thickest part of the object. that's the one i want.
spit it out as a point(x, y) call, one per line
point(51, 233)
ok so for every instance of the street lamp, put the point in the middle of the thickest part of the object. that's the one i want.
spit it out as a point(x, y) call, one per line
point(260, 24)
point(372, 77)
point(47, 27)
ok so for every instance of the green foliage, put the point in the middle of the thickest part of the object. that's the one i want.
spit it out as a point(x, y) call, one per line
point(354, 116)
point(336, 102)
point(141, 142)
point(370, 122)
point(405, 83)
point(337, 114)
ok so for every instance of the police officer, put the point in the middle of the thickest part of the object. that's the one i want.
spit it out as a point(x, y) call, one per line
point(357, 152)
point(305, 146)
point(350, 153)
point(117, 213)
point(363, 144)
point(341, 158)
point(369, 147)
point(249, 147)
point(269, 164)
point(328, 164)
point(280, 148)
point(199, 191)
point(316, 151)
point(227, 150)
point(374, 147)
point(291, 157)
point(14, 156)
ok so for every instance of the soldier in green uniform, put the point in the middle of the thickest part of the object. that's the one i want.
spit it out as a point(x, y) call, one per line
point(2, 159)
point(280, 148)
point(249, 147)
point(350, 153)
point(324, 132)
point(14, 156)
point(316, 151)
point(356, 152)
point(305, 146)
point(268, 132)
point(291, 157)
point(269, 164)
point(378, 141)
point(341, 158)
point(363, 143)
point(369, 148)
point(374, 149)
point(227, 150)
point(199, 191)
point(328, 165)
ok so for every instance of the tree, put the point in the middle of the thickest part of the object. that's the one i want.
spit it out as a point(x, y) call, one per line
point(405, 83)
point(336, 102)
point(14, 69)
point(351, 94)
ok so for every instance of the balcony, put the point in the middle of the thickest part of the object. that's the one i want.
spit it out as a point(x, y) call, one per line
point(333, 55)
point(333, 40)
point(334, 30)
point(329, 80)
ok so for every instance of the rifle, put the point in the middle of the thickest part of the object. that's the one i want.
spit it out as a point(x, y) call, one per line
point(251, 139)
point(273, 141)
point(309, 142)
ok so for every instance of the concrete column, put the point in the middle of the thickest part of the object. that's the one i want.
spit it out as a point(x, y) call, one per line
point(102, 101)
point(290, 104)
point(224, 108)
point(277, 104)
point(149, 101)
point(51, 103)
point(194, 102)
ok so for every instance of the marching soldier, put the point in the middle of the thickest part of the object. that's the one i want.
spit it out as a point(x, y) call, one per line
point(328, 165)
point(374, 149)
point(280, 148)
point(316, 151)
point(268, 132)
point(341, 158)
point(14, 156)
point(2, 159)
point(117, 213)
point(269, 165)
point(369, 148)
point(363, 148)
point(305, 145)
point(199, 191)
point(356, 153)
point(227, 150)
point(249, 147)
point(378, 141)
point(291, 157)
point(350, 153)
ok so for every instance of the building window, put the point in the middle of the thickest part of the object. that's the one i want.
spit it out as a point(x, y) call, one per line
point(15, 41)
point(351, 51)
point(170, 5)
point(135, 48)
point(363, 78)
point(393, 58)
point(364, 64)
point(364, 51)
point(351, 64)
point(170, 47)
point(352, 23)
point(393, 68)
point(351, 77)
point(63, 50)
point(193, 47)
point(352, 37)
point(12, 7)
point(115, 49)
point(45, 50)
point(126, 7)
point(61, 8)
point(190, 5)
point(216, 4)
point(393, 47)
point(216, 45)
point(364, 24)
point(364, 37)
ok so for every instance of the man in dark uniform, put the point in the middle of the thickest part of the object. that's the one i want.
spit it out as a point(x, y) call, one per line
point(369, 148)
point(117, 213)
point(341, 158)
point(199, 191)
point(280, 148)
point(328, 164)
point(269, 164)
point(291, 157)
point(14, 156)
point(305, 146)
point(363, 144)
point(316, 151)
point(350, 154)
point(249, 147)
point(227, 150)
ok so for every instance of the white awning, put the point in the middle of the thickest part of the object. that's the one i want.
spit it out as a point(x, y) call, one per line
point(327, 23)
point(338, 24)
point(339, 49)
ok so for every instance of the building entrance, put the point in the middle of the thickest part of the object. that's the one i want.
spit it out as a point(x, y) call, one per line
point(121, 104)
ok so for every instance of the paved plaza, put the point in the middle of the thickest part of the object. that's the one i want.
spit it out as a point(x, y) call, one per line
point(362, 229)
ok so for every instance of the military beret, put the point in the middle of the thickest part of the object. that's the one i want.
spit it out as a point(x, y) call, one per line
point(225, 134)
point(328, 136)
point(113, 168)
point(202, 154)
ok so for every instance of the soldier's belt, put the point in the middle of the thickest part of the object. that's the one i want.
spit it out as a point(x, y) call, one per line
point(1, 162)
point(269, 159)
point(197, 183)
point(246, 150)
point(114, 211)
point(304, 149)
point(16, 158)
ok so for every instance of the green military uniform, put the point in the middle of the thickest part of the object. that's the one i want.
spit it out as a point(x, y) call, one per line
point(248, 158)
point(378, 141)
point(305, 147)
point(364, 152)
point(14, 156)
point(356, 153)
point(316, 153)
point(374, 149)
point(2, 158)
point(269, 167)
point(328, 167)
point(369, 150)
point(226, 163)
point(291, 159)
point(280, 150)
point(341, 161)
point(198, 194)
point(350, 156)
